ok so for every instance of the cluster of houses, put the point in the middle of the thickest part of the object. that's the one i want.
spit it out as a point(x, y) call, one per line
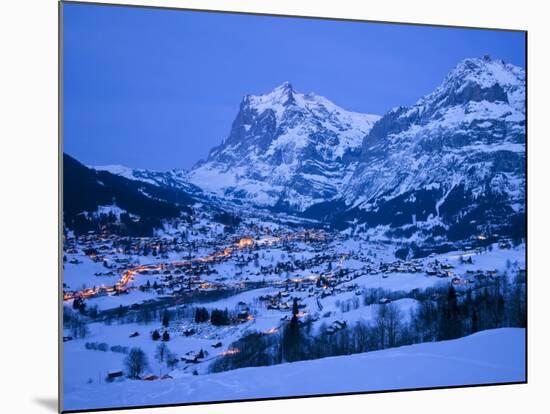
point(400, 266)
point(439, 269)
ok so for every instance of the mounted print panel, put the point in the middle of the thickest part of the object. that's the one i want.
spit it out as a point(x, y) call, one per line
point(261, 207)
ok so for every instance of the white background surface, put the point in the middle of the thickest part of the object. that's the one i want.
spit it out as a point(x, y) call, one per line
point(28, 212)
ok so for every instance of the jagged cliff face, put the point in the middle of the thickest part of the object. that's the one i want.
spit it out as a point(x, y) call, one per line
point(456, 157)
point(285, 150)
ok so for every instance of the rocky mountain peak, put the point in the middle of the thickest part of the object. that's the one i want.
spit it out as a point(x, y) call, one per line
point(479, 79)
point(462, 145)
point(284, 142)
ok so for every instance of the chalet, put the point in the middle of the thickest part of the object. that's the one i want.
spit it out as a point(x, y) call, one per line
point(113, 375)
point(134, 334)
point(150, 378)
point(192, 357)
point(384, 301)
point(243, 316)
point(217, 345)
point(340, 324)
point(190, 360)
point(336, 326)
point(242, 306)
point(189, 331)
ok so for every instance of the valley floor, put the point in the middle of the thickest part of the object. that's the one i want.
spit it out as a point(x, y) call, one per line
point(488, 357)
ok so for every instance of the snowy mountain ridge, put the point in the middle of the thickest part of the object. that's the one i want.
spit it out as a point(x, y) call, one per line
point(175, 178)
point(457, 154)
point(454, 158)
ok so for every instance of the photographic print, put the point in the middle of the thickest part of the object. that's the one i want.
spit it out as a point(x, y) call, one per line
point(260, 207)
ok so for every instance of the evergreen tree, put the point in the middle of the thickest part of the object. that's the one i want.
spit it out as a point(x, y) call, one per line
point(166, 319)
point(291, 340)
point(450, 324)
point(475, 321)
point(295, 309)
point(201, 315)
point(219, 317)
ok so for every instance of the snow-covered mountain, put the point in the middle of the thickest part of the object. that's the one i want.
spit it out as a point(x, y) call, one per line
point(453, 162)
point(99, 200)
point(285, 150)
point(457, 156)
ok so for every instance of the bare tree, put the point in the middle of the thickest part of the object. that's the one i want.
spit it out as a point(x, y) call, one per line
point(76, 324)
point(136, 363)
point(171, 360)
point(162, 352)
point(388, 323)
point(394, 318)
point(380, 323)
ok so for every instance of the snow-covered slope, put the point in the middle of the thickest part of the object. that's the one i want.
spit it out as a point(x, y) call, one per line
point(488, 357)
point(175, 179)
point(285, 149)
point(457, 154)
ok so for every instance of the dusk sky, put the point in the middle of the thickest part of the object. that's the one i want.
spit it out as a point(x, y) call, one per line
point(153, 88)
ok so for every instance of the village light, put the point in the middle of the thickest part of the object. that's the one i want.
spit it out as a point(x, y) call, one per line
point(245, 242)
point(230, 351)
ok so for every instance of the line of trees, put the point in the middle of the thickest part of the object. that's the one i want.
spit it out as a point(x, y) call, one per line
point(75, 323)
point(145, 314)
point(217, 317)
point(448, 315)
